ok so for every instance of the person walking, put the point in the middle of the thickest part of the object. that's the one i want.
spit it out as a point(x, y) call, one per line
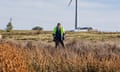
point(58, 35)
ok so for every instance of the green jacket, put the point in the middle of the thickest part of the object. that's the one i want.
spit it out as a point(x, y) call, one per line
point(62, 31)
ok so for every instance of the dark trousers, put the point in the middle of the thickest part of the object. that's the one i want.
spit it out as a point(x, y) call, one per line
point(57, 43)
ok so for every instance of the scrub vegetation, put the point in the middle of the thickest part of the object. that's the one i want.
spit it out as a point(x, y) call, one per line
point(84, 52)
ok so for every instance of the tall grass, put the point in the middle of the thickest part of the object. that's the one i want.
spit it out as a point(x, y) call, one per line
point(78, 56)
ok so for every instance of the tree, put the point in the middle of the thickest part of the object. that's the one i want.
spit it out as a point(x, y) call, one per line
point(37, 28)
point(9, 27)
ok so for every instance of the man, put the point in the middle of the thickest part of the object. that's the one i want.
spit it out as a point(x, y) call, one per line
point(58, 35)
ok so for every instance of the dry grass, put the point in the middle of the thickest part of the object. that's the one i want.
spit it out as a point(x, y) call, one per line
point(78, 56)
point(47, 36)
point(12, 58)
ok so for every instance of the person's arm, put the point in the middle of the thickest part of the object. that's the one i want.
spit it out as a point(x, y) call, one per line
point(54, 31)
point(63, 34)
point(63, 31)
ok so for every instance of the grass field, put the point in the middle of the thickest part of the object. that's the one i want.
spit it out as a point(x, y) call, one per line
point(33, 51)
point(47, 35)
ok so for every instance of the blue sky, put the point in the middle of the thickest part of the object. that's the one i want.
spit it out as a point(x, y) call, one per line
point(103, 15)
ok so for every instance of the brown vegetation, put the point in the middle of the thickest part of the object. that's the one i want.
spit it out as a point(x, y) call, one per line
point(12, 58)
point(78, 56)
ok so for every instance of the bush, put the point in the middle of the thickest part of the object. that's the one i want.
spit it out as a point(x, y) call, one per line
point(37, 28)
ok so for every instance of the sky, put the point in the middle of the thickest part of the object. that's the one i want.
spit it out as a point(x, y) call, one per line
point(102, 15)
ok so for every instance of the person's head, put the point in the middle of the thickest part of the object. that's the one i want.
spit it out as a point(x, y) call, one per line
point(58, 25)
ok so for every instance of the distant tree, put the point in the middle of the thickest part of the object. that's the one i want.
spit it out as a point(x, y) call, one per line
point(9, 27)
point(37, 28)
